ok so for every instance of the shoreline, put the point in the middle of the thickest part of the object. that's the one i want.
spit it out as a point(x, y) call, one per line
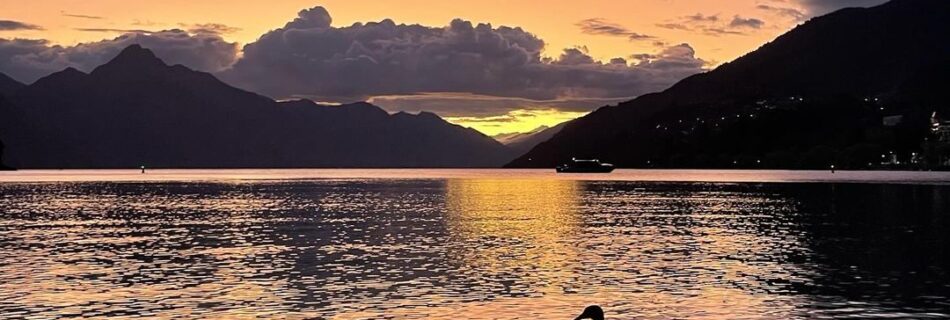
point(621, 175)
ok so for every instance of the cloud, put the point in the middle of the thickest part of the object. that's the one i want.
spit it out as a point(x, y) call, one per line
point(598, 26)
point(801, 10)
point(28, 60)
point(10, 25)
point(793, 13)
point(80, 16)
point(210, 28)
point(712, 25)
point(481, 106)
point(110, 30)
point(820, 7)
point(740, 22)
point(699, 17)
point(310, 58)
point(715, 31)
point(576, 56)
point(674, 26)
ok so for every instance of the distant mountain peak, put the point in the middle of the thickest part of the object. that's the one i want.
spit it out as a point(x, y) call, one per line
point(69, 71)
point(507, 137)
point(430, 115)
point(68, 75)
point(138, 54)
point(132, 58)
point(539, 129)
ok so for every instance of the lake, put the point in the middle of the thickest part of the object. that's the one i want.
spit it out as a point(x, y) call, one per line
point(474, 244)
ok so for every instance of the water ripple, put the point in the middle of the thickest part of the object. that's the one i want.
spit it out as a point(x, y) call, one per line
point(472, 248)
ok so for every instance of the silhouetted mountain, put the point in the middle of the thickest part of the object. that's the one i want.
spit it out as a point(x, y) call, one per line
point(843, 88)
point(8, 86)
point(506, 138)
point(2, 166)
point(136, 110)
point(522, 142)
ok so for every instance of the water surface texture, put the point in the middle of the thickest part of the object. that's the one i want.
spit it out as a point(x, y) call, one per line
point(475, 246)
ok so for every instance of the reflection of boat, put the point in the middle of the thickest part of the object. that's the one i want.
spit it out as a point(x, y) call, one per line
point(585, 166)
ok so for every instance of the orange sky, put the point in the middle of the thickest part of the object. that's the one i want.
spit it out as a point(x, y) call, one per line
point(555, 21)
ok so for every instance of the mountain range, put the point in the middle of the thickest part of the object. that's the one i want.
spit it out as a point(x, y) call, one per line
point(844, 88)
point(522, 142)
point(136, 111)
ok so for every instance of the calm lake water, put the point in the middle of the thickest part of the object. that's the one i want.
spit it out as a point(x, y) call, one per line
point(474, 244)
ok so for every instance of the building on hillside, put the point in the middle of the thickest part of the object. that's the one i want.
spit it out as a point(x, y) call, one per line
point(890, 159)
point(940, 127)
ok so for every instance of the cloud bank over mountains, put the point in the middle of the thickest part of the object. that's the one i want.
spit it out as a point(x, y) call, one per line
point(28, 60)
point(504, 68)
point(310, 58)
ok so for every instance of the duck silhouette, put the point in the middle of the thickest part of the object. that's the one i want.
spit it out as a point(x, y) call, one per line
point(592, 312)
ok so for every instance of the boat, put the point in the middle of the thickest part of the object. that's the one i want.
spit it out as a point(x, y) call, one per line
point(585, 166)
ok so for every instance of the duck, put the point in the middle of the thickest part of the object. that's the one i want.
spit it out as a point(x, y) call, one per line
point(592, 312)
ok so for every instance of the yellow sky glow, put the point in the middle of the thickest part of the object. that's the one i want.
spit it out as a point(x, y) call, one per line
point(516, 121)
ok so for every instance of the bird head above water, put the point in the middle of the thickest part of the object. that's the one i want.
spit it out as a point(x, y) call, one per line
point(592, 312)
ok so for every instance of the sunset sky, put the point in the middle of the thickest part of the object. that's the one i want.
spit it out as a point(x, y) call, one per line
point(557, 61)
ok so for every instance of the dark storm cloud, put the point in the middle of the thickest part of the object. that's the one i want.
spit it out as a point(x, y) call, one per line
point(9, 25)
point(310, 58)
point(468, 105)
point(28, 60)
point(740, 22)
point(598, 26)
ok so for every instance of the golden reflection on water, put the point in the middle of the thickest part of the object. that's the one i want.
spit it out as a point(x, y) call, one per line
point(535, 229)
point(538, 214)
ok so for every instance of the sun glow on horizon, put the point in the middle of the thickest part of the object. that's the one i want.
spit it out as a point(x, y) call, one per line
point(517, 121)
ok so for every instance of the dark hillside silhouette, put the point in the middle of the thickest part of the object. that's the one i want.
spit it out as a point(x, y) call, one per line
point(845, 87)
point(136, 110)
point(8, 86)
point(2, 166)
